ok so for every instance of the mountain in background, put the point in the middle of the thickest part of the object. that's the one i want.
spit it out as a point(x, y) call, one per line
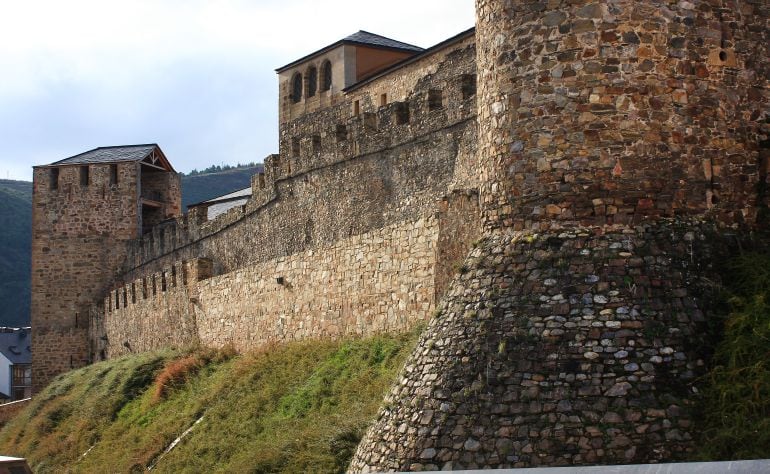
point(215, 181)
point(15, 241)
point(16, 230)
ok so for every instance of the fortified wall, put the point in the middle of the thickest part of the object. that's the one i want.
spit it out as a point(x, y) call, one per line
point(555, 226)
point(617, 141)
point(369, 200)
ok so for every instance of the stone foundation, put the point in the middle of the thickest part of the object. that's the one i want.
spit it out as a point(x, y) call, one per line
point(565, 348)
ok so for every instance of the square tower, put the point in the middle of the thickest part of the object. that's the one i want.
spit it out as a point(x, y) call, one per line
point(85, 208)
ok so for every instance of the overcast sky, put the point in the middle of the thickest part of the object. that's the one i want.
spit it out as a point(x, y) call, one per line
point(196, 77)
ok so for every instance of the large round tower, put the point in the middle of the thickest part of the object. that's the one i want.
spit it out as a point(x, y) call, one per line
point(616, 139)
point(602, 112)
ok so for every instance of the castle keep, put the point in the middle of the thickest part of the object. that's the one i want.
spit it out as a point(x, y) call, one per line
point(541, 188)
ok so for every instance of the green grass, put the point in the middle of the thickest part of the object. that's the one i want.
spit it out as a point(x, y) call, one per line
point(735, 408)
point(301, 407)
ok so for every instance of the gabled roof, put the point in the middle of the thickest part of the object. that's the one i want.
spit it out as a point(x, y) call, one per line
point(363, 38)
point(15, 344)
point(370, 39)
point(426, 52)
point(150, 153)
point(233, 196)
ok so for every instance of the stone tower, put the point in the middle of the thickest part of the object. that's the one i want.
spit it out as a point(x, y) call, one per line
point(615, 139)
point(84, 208)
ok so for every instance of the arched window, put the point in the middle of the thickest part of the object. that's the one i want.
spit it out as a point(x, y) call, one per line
point(326, 76)
point(312, 81)
point(296, 88)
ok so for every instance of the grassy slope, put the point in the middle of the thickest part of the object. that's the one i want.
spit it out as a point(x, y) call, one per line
point(296, 408)
point(15, 241)
point(735, 407)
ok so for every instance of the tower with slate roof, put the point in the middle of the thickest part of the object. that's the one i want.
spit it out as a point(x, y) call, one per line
point(84, 207)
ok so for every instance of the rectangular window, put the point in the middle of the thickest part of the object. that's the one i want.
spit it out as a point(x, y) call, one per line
point(316, 143)
point(133, 293)
point(295, 147)
point(356, 108)
point(435, 99)
point(113, 175)
point(383, 100)
point(468, 85)
point(84, 178)
point(22, 381)
point(342, 133)
point(54, 177)
point(402, 113)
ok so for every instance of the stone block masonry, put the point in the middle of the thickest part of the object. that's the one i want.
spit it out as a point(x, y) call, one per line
point(555, 349)
point(381, 281)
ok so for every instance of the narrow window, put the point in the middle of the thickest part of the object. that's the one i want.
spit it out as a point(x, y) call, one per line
point(383, 100)
point(163, 281)
point(312, 81)
point(173, 276)
point(468, 85)
point(113, 175)
point(296, 88)
point(316, 143)
point(144, 288)
point(356, 108)
point(125, 298)
point(402, 113)
point(133, 293)
point(326, 76)
point(84, 175)
point(117, 299)
point(435, 99)
point(295, 147)
point(54, 178)
point(342, 133)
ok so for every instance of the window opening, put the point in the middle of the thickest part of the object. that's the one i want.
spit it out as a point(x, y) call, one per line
point(326, 76)
point(312, 81)
point(296, 88)
point(295, 147)
point(113, 174)
point(342, 133)
point(356, 108)
point(383, 100)
point(84, 178)
point(468, 85)
point(402, 113)
point(435, 99)
point(54, 178)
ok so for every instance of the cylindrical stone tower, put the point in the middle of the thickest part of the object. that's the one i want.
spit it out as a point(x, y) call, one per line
point(601, 112)
point(616, 138)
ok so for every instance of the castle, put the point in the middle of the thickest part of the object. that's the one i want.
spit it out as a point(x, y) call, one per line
point(540, 189)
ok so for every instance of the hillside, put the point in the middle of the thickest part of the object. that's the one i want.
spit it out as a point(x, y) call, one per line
point(16, 225)
point(204, 186)
point(15, 241)
point(301, 407)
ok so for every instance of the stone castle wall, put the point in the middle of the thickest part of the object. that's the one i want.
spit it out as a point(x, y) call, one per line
point(612, 136)
point(381, 281)
point(355, 204)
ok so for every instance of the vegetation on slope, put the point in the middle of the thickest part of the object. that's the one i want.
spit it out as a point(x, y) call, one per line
point(301, 407)
point(15, 242)
point(735, 408)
